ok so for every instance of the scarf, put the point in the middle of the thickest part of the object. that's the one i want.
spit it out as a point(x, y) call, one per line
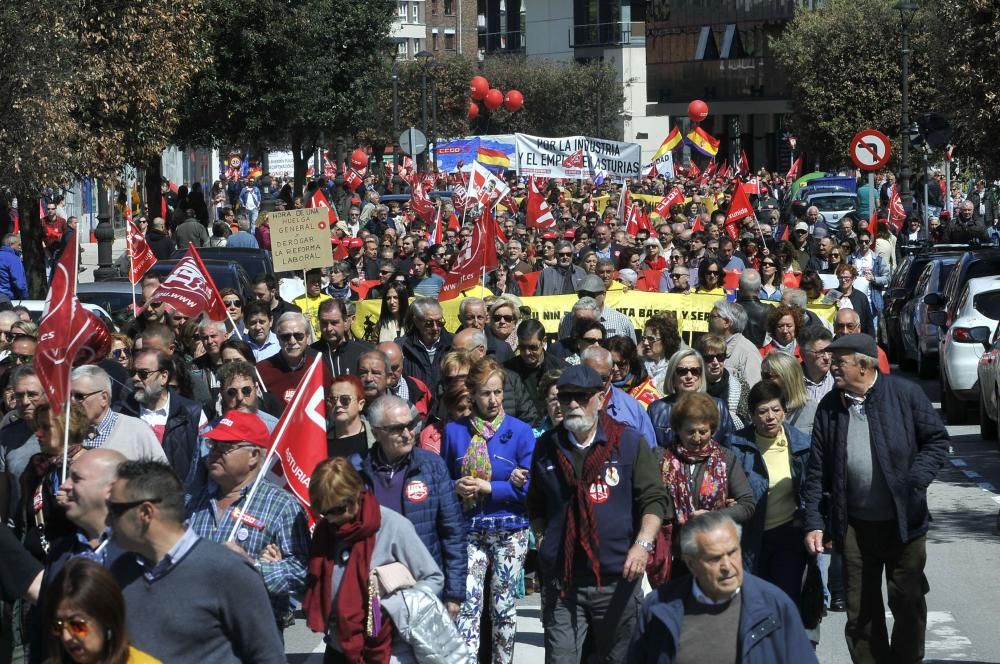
point(477, 462)
point(364, 633)
point(711, 494)
point(581, 527)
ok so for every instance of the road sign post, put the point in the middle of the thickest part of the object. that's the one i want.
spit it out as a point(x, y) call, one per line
point(870, 151)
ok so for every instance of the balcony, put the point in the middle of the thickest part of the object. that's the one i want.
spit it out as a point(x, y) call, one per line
point(501, 42)
point(615, 33)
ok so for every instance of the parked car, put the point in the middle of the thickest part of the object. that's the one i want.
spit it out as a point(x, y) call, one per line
point(973, 321)
point(36, 307)
point(989, 388)
point(254, 261)
point(918, 336)
point(972, 264)
point(833, 206)
point(225, 274)
point(112, 296)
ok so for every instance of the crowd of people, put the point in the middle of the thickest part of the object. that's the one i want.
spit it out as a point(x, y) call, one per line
point(750, 476)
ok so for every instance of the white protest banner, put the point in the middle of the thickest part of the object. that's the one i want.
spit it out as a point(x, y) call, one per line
point(300, 239)
point(576, 157)
point(664, 164)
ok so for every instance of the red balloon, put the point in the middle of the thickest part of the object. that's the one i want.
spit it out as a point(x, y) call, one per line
point(697, 110)
point(359, 160)
point(478, 87)
point(494, 98)
point(513, 101)
point(96, 348)
point(473, 110)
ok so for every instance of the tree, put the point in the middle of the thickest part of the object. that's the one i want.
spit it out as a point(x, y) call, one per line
point(842, 64)
point(289, 74)
point(84, 92)
point(968, 48)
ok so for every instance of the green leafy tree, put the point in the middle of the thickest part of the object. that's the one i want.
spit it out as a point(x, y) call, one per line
point(842, 63)
point(289, 75)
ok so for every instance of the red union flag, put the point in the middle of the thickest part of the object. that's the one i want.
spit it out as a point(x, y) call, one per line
point(189, 289)
point(739, 208)
point(318, 200)
point(141, 255)
point(538, 212)
point(897, 213)
point(479, 253)
point(68, 334)
point(420, 201)
point(299, 440)
point(674, 196)
point(574, 160)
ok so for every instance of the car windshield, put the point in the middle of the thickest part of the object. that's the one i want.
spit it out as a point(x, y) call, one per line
point(834, 203)
point(110, 302)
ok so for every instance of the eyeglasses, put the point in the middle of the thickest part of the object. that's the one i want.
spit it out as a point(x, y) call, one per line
point(715, 357)
point(78, 627)
point(232, 303)
point(689, 371)
point(80, 397)
point(117, 509)
point(339, 510)
point(506, 318)
point(432, 322)
point(246, 391)
point(221, 448)
point(287, 336)
point(564, 254)
point(579, 397)
point(400, 428)
point(590, 341)
point(143, 374)
point(343, 399)
point(121, 353)
point(712, 272)
point(678, 276)
point(846, 326)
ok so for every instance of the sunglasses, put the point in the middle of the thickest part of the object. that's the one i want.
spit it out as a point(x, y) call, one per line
point(579, 397)
point(678, 276)
point(78, 627)
point(400, 428)
point(246, 391)
point(715, 357)
point(432, 322)
point(287, 336)
point(343, 399)
point(79, 397)
point(591, 340)
point(121, 353)
point(834, 255)
point(689, 371)
point(768, 264)
point(20, 358)
point(507, 318)
point(143, 374)
point(232, 303)
point(220, 448)
point(712, 272)
point(563, 254)
point(117, 509)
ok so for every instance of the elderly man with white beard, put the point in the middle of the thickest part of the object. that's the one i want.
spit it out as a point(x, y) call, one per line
point(596, 503)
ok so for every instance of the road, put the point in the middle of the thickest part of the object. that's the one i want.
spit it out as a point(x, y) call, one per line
point(963, 558)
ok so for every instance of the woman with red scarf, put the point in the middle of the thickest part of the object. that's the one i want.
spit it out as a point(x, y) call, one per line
point(699, 474)
point(354, 536)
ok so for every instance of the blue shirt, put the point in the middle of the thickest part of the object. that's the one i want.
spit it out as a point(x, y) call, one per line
point(269, 348)
point(174, 555)
point(625, 409)
point(242, 240)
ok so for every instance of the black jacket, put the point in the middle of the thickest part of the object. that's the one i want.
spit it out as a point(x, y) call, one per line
point(910, 444)
point(161, 245)
point(416, 361)
point(342, 360)
point(756, 329)
point(531, 377)
point(180, 437)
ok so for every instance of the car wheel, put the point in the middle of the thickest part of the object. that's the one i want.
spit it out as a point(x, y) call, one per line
point(987, 426)
point(925, 368)
point(954, 410)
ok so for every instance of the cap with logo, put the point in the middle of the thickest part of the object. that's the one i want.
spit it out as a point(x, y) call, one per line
point(237, 426)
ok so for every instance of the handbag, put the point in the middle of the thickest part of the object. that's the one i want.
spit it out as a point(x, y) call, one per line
point(430, 631)
point(392, 577)
point(811, 599)
point(660, 565)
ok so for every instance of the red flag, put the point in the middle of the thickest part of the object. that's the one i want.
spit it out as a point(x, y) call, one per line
point(791, 279)
point(68, 334)
point(744, 163)
point(723, 171)
point(693, 170)
point(897, 213)
point(318, 200)
point(352, 179)
point(674, 196)
point(739, 208)
point(142, 257)
point(190, 290)
point(538, 212)
point(437, 236)
point(796, 170)
point(697, 225)
point(299, 440)
point(362, 287)
point(478, 253)
point(420, 202)
point(732, 279)
point(528, 282)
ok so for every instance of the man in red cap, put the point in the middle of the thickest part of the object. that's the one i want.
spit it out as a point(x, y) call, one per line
point(271, 529)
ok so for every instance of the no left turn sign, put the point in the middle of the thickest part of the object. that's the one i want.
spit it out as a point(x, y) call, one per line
point(870, 150)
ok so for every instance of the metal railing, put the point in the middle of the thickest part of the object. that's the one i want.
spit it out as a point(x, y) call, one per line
point(614, 33)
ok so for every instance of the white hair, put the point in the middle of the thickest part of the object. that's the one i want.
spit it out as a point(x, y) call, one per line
point(94, 374)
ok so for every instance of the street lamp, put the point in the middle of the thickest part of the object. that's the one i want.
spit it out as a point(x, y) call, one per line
point(425, 57)
point(906, 10)
point(395, 42)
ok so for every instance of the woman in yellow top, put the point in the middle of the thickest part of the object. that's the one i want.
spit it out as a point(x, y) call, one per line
point(710, 278)
point(774, 457)
point(85, 614)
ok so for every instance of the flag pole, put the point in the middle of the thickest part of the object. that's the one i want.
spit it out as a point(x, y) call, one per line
point(282, 425)
point(69, 382)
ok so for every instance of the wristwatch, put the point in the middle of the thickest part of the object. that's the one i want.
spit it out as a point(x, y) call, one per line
point(648, 546)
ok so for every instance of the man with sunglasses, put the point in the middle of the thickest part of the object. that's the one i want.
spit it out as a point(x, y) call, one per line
point(175, 420)
point(616, 323)
point(226, 614)
point(425, 342)
point(596, 501)
point(563, 279)
point(281, 373)
point(273, 532)
point(533, 360)
point(617, 404)
point(417, 484)
point(407, 388)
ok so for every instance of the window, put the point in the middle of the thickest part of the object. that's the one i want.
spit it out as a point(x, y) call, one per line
point(434, 40)
point(401, 11)
point(449, 42)
point(449, 7)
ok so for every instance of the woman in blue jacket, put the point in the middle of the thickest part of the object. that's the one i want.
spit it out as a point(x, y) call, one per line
point(488, 454)
point(774, 457)
point(685, 373)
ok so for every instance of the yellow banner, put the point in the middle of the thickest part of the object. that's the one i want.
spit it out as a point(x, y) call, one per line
point(692, 310)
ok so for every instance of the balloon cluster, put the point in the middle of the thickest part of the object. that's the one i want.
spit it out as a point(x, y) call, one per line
point(493, 99)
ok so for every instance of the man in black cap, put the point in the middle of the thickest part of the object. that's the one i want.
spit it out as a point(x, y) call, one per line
point(596, 502)
point(877, 445)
